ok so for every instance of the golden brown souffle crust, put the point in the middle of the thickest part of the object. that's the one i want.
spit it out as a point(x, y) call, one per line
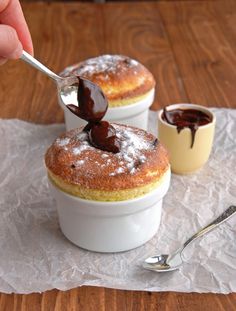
point(120, 77)
point(141, 162)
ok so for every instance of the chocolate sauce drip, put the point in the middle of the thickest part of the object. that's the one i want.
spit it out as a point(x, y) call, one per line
point(190, 118)
point(92, 103)
point(92, 106)
point(103, 135)
point(155, 142)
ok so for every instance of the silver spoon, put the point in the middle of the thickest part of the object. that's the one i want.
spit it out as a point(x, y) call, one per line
point(65, 86)
point(162, 263)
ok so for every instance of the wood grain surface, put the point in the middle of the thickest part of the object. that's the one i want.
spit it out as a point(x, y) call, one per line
point(203, 40)
point(190, 48)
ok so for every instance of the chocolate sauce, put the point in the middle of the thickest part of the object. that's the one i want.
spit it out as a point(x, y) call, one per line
point(103, 135)
point(186, 118)
point(92, 106)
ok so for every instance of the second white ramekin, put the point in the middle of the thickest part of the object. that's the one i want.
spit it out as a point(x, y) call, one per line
point(135, 114)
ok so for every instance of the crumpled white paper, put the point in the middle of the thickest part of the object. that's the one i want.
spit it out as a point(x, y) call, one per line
point(35, 256)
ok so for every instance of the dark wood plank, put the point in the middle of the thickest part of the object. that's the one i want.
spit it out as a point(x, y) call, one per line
point(92, 298)
point(142, 35)
point(202, 35)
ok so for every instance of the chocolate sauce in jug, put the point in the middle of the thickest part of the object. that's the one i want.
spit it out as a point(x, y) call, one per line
point(186, 118)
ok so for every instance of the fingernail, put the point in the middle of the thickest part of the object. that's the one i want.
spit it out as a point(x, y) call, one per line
point(17, 53)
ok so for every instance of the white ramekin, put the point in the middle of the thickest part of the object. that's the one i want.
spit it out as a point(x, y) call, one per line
point(135, 114)
point(110, 226)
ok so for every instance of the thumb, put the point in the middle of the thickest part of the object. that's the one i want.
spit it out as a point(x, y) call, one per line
point(10, 46)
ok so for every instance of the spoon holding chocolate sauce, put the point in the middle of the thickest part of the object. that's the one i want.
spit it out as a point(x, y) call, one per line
point(91, 106)
point(86, 100)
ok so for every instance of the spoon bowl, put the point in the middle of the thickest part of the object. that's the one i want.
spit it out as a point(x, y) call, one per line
point(164, 262)
point(68, 93)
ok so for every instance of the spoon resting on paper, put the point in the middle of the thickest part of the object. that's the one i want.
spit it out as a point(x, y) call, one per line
point(164, 262)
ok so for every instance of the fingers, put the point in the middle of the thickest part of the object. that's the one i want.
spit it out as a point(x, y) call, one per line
point(11, 14)
point(10, 47)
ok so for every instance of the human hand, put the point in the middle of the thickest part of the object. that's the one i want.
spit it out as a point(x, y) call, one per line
point(14, 32)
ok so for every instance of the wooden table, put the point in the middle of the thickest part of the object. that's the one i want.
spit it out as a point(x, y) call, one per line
point(190, 48)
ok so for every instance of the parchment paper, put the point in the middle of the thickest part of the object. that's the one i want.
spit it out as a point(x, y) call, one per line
point(35, 256)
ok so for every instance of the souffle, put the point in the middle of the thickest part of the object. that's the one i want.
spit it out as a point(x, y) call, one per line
point(123, 80)
point(77, 167)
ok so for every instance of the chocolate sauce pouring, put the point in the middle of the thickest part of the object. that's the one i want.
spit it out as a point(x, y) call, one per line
point(186, 118)
point(92, 106)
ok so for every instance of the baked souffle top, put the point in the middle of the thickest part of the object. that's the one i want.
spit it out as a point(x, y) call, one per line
point(141, 160)
point(120, 77)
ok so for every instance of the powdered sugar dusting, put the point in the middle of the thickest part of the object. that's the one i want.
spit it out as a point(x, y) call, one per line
point(132, 146)
point(102, 64)
point(119, 170)
point(130, 158)
point(82, 136)
point(63, 141)
point(81, 148)
point(80, 162)
point(84, 144)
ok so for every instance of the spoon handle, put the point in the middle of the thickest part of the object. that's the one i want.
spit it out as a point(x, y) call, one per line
point(36, 64)
point(219, 220)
